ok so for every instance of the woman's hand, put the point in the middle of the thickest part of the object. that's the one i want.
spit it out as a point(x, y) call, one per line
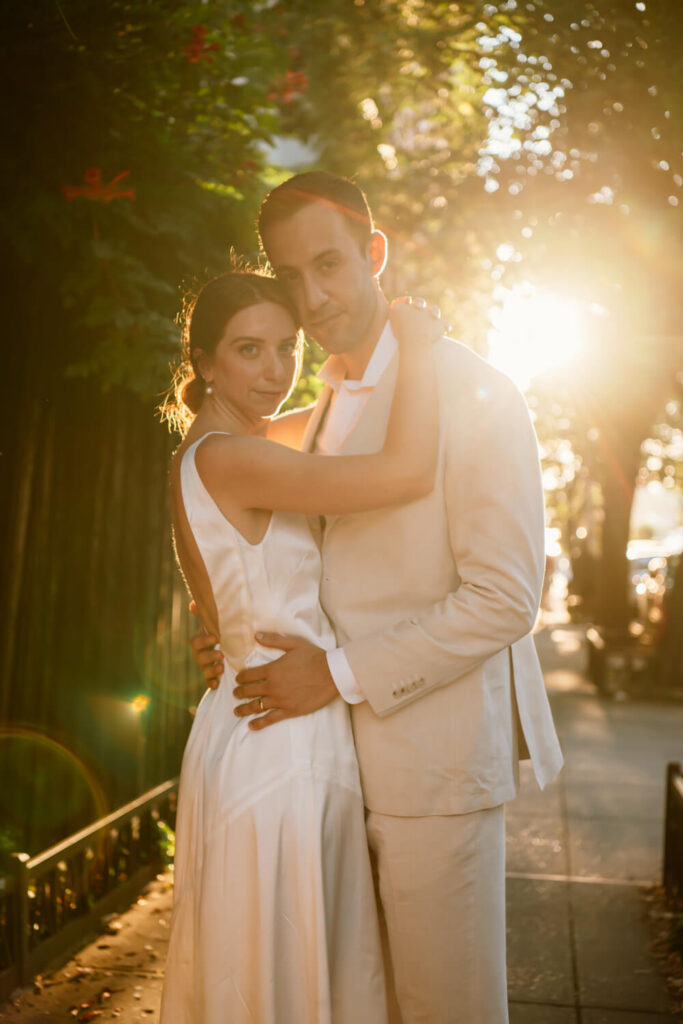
point(414, 322)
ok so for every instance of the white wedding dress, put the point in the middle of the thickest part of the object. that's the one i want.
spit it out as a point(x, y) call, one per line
point(274, 918)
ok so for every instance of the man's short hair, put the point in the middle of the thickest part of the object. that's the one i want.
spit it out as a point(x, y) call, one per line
point(317, 187)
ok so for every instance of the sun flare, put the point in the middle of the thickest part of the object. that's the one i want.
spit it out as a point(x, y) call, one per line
point(533, 332)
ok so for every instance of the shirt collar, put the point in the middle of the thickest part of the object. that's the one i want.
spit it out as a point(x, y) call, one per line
point(332, 371)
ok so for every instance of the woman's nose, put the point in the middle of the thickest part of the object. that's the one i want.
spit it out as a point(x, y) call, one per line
point(274, 365)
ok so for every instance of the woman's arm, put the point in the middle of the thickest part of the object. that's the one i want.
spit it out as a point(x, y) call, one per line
point(260, 474)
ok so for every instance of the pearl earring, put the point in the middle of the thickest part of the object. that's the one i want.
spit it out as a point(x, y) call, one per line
point(209, 389)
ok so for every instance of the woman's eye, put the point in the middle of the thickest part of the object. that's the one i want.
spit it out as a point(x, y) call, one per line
point(289, 349)
point(329, 265)
point(248, 350)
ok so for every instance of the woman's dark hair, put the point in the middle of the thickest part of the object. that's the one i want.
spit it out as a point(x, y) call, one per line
point(203, 319)
point(332, 190)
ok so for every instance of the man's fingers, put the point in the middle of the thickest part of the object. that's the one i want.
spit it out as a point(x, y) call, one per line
point(282, 641)
point(268, 719)
point(252, 707)
point(252, 675)
point(251, 691)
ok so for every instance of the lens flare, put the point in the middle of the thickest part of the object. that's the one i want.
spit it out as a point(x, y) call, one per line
point(36, 767)
point(533, 332)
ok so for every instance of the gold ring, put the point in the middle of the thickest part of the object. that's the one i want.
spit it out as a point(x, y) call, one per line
point(260, 705)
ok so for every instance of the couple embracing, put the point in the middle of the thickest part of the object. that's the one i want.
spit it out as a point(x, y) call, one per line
point(318, 883)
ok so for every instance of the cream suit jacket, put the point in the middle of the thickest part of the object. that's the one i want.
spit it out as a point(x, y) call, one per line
point(434, 602)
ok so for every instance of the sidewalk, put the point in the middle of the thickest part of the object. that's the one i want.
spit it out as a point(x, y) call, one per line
point(577, 856)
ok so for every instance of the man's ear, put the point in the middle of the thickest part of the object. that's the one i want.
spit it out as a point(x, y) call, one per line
point(378, 250)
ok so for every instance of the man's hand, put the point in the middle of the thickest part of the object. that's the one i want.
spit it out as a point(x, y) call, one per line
point(296, 684)
point(210, 660)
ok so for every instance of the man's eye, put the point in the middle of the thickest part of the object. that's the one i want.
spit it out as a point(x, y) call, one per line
point(288, 280)
point(288, 349)
point(329, 265)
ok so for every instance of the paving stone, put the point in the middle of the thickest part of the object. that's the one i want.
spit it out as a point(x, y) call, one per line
point(615, 967)
point(624, 1017)
point(535, 846)
point(534, 1013)
point(586, 799)
point(539, 960)
point(616, 849)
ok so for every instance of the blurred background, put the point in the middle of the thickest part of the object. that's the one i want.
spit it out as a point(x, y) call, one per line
point(524, 160)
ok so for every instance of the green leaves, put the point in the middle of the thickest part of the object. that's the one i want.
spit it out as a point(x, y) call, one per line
point(468, 125)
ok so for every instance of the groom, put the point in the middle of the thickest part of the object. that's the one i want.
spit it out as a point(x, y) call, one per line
point(433, 603)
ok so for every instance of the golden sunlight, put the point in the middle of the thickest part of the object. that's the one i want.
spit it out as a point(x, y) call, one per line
point(532, 332)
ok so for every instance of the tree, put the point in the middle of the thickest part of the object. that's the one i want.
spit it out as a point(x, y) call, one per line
point(589, 204)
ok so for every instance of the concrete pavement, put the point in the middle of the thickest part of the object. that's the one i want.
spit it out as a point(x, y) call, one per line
point(578, 855)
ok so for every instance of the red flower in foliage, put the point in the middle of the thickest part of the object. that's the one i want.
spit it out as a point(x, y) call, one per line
point(199, 49)
point(291, 85)
point(95, 190)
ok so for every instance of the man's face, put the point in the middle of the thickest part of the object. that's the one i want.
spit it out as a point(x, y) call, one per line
point(331, 280)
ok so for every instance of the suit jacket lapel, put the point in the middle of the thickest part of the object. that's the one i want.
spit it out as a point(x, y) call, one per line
point(317, 420)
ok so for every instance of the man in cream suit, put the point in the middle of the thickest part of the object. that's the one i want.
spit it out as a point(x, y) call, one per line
point(433, 603)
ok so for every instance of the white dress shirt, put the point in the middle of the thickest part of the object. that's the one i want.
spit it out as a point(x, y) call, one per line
point(347, 402)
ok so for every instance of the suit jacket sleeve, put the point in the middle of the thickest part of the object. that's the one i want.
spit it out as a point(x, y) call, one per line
point(494, 500)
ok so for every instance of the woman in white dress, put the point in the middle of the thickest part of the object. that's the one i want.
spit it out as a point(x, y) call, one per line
point(274, 917)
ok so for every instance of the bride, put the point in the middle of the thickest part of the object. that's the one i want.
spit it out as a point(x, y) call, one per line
point(274, 915)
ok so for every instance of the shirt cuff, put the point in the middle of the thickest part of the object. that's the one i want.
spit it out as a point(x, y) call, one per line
point(342, 676)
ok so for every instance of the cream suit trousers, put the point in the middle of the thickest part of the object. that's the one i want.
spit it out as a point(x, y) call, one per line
point(442, 909)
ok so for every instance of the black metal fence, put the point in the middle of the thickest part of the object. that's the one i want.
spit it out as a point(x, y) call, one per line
point(48, 903)
point(673, 834)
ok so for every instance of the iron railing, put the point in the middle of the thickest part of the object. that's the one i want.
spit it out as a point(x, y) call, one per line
point(50, 902)
point(673, 834)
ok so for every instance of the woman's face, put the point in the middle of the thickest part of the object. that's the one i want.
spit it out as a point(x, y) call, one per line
point(254, 366)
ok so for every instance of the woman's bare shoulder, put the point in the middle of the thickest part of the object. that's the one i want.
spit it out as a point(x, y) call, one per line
point(289, 428)
point(221, 453)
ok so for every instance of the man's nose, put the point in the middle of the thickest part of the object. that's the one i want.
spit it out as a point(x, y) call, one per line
point(314, 294)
